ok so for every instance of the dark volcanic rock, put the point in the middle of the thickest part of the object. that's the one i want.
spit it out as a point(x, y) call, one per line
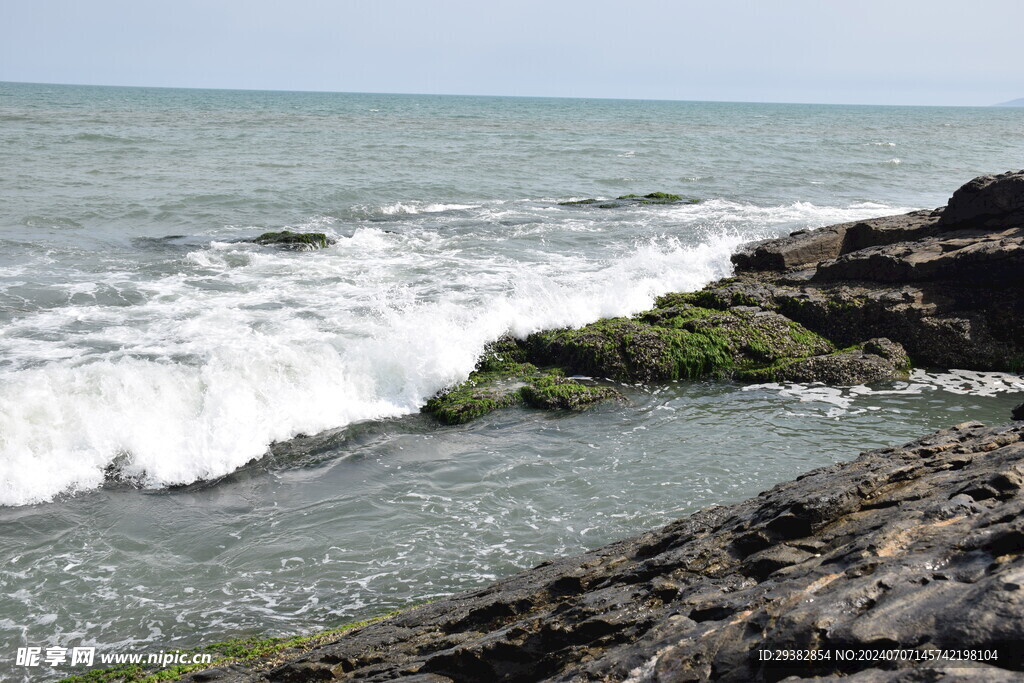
point(808, 247)
point(915, 548)
point(1018, 412)
point(970, 256)
point(945, 284)
point(991, 201)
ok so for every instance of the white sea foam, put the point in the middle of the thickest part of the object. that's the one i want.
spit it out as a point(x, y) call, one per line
point(843, 399)
point(243, 346)
point(421, 207)
point(773, 219)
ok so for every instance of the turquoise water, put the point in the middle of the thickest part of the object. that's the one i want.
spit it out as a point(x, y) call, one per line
point(138, 331)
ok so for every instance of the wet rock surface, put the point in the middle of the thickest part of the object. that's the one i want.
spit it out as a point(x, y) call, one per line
point(873, 361)
point(867, 555)
point(502, 379)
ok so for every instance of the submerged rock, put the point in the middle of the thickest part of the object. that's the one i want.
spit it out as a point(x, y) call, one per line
point(869, 556)
point(302, 241)
point(1018, 412)
point(633, 200)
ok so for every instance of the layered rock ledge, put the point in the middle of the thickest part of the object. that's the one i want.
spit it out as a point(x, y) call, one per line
point(945, 283)
point(917, 549)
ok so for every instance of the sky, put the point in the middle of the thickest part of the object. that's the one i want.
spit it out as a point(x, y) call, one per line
point(926, 52)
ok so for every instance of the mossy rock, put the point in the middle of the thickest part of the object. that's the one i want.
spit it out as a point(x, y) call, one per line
point(678, 342)
point(482, 393)
point(875, 360)
point(502, 355)
point(503, 379)
point(301, 241)
point(560, 393)
point(722, 296)
point(501, 371)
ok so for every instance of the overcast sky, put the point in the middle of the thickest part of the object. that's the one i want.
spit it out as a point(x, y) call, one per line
point(828, 51)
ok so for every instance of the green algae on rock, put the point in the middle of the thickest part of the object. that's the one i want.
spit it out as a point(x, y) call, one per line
point(503, 379)
point(301, 241)
point(482, 393)
point(677, 342)
point(519, 384)
point(836, 305)
point(873, 361)
point(552, 392)
point(679, 339)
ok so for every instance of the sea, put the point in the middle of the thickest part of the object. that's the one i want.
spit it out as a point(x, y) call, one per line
point(202, 438)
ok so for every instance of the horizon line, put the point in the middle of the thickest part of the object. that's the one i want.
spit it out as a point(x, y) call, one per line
point(535, 97)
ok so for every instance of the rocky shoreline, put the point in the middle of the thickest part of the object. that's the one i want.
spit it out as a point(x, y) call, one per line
point(846, 304)
point(917, 550)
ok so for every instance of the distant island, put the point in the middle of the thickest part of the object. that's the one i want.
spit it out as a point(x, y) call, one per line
point(1012, 103)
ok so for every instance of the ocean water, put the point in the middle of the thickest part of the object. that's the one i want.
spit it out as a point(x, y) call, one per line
point(202, 438)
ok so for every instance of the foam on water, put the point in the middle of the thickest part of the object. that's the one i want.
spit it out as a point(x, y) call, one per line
point(233, 347)
point(837, 401)
point(421, 207)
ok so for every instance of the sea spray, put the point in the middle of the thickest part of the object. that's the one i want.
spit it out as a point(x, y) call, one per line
point(242, 381)
point(235, 346)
